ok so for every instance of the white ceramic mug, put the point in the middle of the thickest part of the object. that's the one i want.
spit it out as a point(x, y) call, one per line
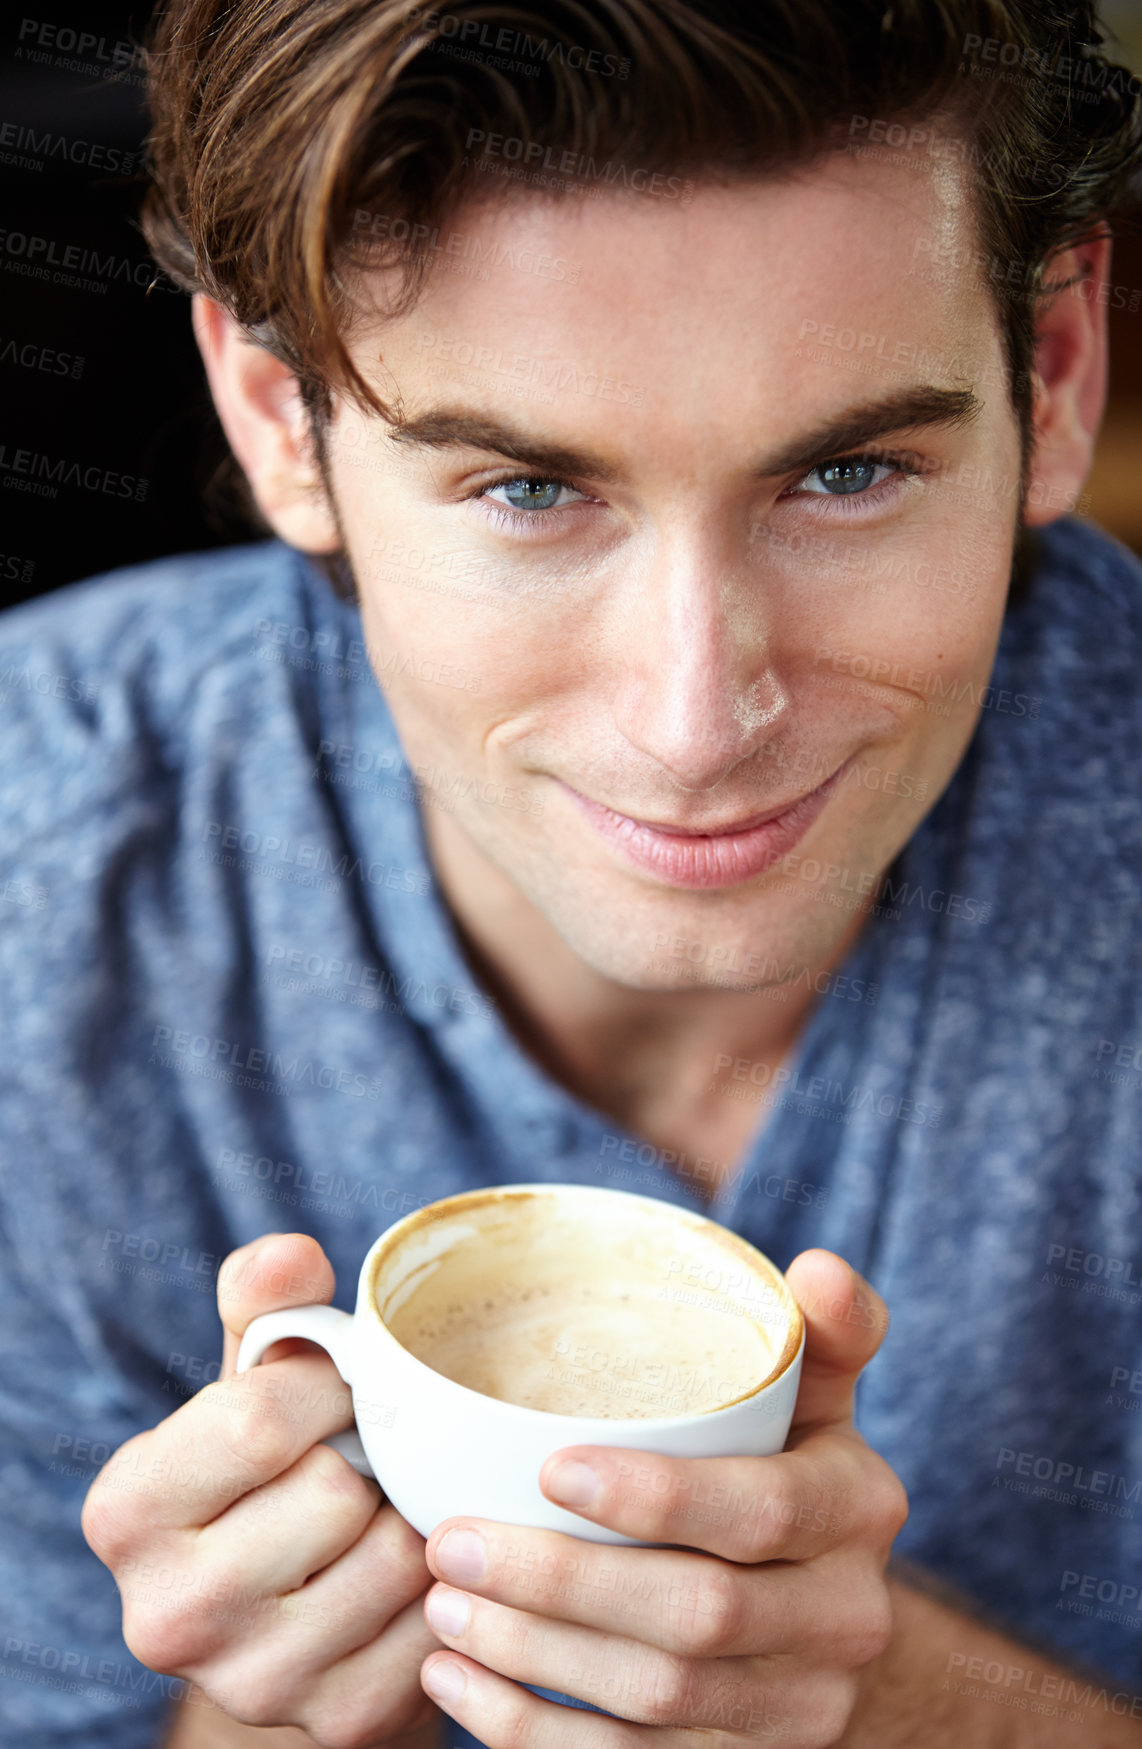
point(441, 1450)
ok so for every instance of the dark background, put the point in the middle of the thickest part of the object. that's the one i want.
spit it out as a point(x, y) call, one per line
point(104, 372)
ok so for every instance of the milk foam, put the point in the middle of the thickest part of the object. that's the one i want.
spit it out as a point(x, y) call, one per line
point(578, 1324)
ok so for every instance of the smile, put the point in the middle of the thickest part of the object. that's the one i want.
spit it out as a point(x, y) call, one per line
point(721, 856)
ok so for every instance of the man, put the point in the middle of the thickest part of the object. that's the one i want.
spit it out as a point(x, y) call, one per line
point(666, 394)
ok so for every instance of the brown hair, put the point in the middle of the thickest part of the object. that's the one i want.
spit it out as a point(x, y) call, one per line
point(298, 142)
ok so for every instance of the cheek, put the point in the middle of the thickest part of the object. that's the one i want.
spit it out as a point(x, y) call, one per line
point(914, 619)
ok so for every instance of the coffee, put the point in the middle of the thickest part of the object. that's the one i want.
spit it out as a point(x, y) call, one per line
point(527, 1300)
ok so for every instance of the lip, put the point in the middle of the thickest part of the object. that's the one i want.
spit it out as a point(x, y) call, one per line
point(723, 857)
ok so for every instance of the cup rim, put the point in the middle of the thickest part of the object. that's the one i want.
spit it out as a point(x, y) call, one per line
point(445, 1207)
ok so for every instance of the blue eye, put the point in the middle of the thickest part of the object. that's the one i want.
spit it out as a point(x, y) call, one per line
point(532, 494)
point(849, 476)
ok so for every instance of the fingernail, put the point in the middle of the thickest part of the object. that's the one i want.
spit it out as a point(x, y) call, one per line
point(460, 1556)
point(572, 1484)
point(449, 1612)
point(446, 1681)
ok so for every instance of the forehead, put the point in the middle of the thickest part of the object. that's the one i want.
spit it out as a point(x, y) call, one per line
point(826, 284)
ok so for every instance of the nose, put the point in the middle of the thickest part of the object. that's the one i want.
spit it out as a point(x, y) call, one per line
point(698, 688)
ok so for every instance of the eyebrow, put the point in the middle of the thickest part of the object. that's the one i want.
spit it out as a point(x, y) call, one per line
point(921, 406)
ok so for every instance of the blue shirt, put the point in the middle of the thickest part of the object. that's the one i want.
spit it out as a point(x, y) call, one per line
point(233, 1003)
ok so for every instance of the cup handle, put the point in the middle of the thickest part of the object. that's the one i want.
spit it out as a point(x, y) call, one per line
point(331, 1330)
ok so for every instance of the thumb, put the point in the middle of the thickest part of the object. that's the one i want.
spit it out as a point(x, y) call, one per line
point(845, 1324)
point(268, 1275)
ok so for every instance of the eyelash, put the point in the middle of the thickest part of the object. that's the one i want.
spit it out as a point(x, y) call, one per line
point(907, 465)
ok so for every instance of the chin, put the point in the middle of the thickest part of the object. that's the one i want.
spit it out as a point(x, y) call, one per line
point(683, 947)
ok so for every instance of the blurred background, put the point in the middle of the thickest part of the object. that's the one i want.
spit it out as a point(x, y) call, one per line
point(97, 363)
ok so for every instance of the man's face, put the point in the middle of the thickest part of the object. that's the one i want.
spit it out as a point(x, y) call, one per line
point(647, 609)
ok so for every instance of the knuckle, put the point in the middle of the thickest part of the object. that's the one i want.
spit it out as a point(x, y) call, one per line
point(765, 1525)
point(101, 1521)
point(667, 1689)
point(714, 1624)
point(253, 1432)
point(334, 1480)
point(403, 1546)
point(349, 1734)
point(892, 1510)
point(869, 1630)
point(828, 1711)
point(165, 1641)
point(364, 1728)
point(253, 1705)
point(514, 1729)
point(110, 1516)
point(256, 1691)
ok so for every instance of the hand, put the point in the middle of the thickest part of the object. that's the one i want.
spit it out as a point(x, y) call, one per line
point(254, 1560)
point(758, 1636)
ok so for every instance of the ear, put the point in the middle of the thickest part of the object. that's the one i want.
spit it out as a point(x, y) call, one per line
point(267, 426)
point(1070, 379)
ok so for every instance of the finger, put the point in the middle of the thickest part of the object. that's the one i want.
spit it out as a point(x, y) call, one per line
point(501, 1715)
point(690, 1604)
point(232, 1436)
point(793, 1506)
point(271, 1273)
point(845, 1323)
point(355, 1598)
point(369, 1697)
point(279, 1534)
point(638, 1682)
point(374, 1694)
